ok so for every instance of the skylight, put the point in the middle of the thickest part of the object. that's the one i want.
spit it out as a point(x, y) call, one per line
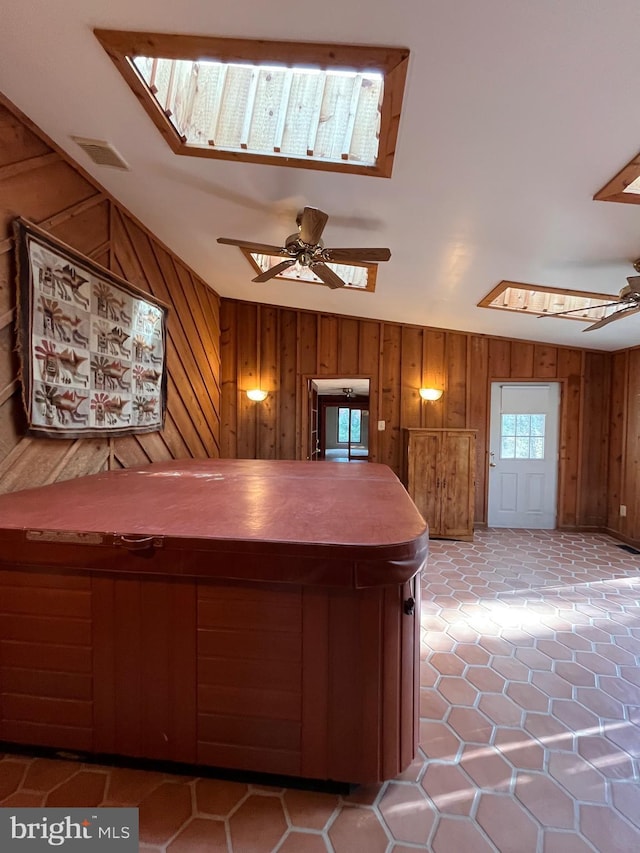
point(537, 299)
point(357, 276)
point(625, 186)
point(320, 106)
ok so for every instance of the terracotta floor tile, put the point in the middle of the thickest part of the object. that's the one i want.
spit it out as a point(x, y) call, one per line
point(545, 800)
point(487, 767)
point(428, 675)
point(164, 811)
point(530, 715)
point(46, 773)
point(620, 689)
point(457, 691)
point(438, 741)
point(218, 797)
point(565, 842)
point(302, 842)
point(415, 770)
point(433, 706)
point(520, 749)
point(631, 673)
point(456, 834)
point(577, 718)
point(258, 824)
point(608, 832)
point(534, 659)
point(450, 789)
point(86, 788)
point(507, 824)
point(575, 674)
point(600, 703)
point(358, 830)
point(549, 731)
point(510, 668)
point(500, 709)
point(485, 679)
point(363, 795)
point(528, 697)
point(625, 735)
point(447, 664)
point(578, 777)
point(606, 757)
point(552, 684)
point(495, 646)
point(472, 654)
point(24, 800)
point(626, 798)
point(309, 809)
point(129, 787)
point(11, 774)
point(200, 835)
point(470, 725)
point(407, 813)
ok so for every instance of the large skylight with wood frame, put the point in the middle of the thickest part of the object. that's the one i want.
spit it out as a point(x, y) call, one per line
point(320, 106)
point(356, 276)
point(537, 299)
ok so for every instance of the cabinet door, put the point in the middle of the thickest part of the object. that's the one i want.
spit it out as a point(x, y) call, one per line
point(424, 478)
point(458, 476)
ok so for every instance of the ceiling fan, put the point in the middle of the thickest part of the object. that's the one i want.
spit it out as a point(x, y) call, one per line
point(628, 303)
point(307, 249)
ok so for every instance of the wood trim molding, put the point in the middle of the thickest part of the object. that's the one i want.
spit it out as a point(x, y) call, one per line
point(10, 170)
point(121, 45)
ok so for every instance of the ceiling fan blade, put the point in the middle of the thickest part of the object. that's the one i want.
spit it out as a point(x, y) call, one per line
point(617, 315)
point(312, 222)
point(327, 275)
point(577, 310)
point(272, 272)
point(340, 256)
point(257, 248)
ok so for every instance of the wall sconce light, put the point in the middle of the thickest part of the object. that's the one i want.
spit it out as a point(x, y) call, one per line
point(431, 394)
point(257, 395)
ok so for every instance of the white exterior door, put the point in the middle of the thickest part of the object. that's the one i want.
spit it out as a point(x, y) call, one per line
point(523, 460)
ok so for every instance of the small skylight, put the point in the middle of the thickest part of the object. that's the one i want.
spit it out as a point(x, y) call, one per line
point(318, 106)
point(356, 277)
point(537, 299)
point(625, 186)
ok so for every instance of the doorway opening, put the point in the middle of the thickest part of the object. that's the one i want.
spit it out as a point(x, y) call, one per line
point(339, 424)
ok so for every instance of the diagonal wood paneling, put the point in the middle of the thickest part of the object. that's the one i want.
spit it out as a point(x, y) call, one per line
point(39, 182)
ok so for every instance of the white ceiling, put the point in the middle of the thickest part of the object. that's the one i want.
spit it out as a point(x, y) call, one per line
point(335, 387)
point(515, 114)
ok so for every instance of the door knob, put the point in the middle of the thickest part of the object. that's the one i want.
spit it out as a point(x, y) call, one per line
point(492, 464)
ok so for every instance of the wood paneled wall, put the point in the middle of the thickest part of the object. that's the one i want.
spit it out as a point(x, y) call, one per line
point(277, 348)
point(41, 184)
point(623, 487)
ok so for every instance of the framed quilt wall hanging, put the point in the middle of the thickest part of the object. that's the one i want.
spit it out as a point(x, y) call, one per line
point(91, 345)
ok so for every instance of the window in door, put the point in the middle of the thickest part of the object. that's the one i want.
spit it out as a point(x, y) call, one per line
point(522, 436)
point(349, 425)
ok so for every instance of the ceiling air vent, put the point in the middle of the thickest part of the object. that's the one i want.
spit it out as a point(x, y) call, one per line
point(101, 152)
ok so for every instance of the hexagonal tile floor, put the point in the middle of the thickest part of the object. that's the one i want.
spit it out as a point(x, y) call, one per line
point(530, 726)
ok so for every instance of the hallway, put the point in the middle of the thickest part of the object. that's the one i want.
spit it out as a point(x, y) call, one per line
point(530, 726)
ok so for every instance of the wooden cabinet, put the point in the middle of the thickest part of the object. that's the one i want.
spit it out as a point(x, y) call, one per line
point(439, 472)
